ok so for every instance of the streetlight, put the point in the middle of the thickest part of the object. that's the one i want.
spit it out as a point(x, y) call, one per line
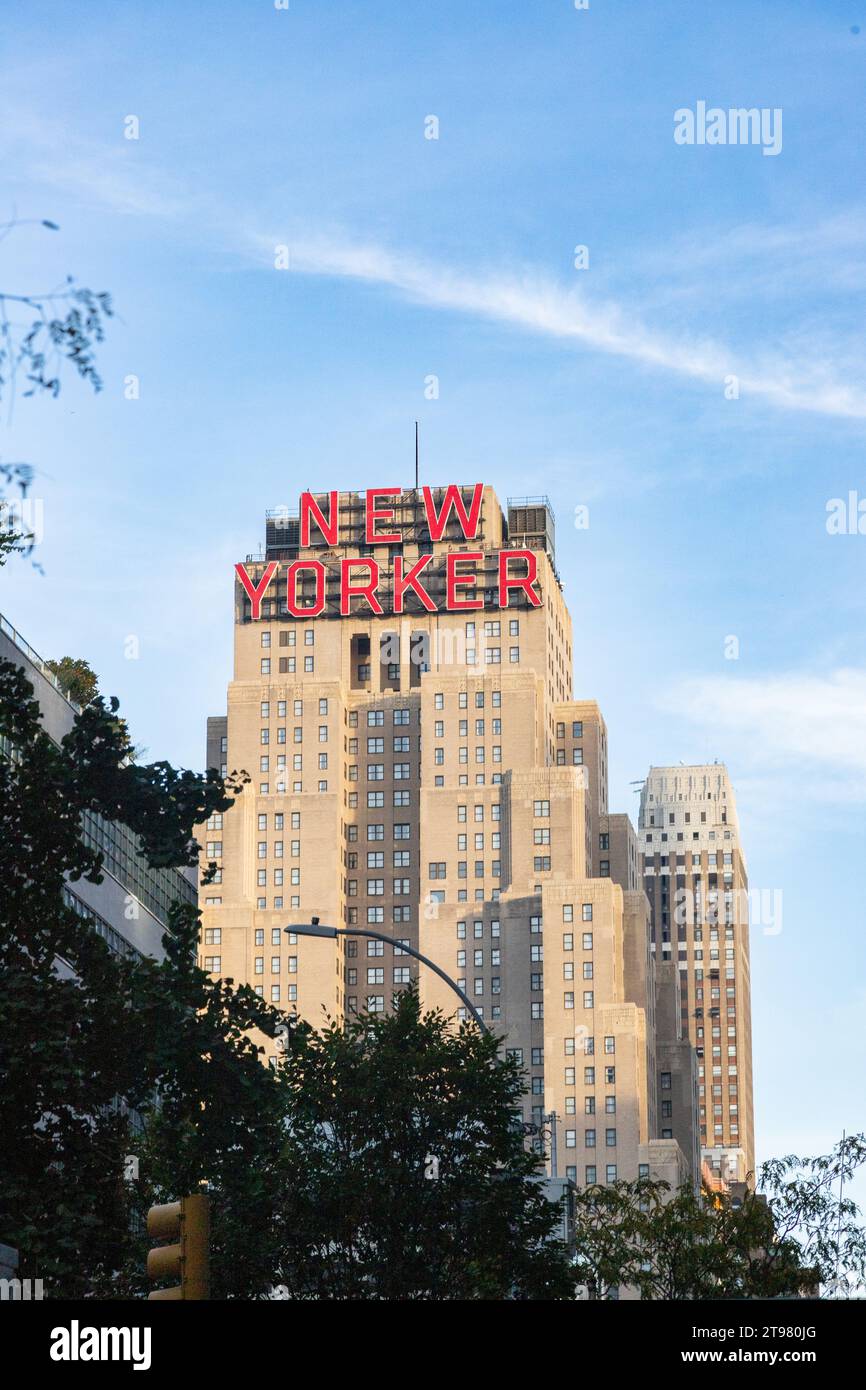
point(315, 929)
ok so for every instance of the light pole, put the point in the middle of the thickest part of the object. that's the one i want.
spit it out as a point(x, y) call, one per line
point(315, 929)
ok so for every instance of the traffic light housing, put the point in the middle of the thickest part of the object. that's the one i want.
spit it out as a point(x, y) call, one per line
point(186, 1224)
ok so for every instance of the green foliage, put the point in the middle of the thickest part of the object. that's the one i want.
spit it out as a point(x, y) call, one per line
point(367, 1106)
point(780, 1241)
point(39, 332)
point(92, 1042)
point(14, 476)
point(77, 678)
point(810, 1208)
point(61, 325)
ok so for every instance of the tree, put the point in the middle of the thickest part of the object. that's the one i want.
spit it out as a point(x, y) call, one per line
point(92, 1043)
point(77, 678)
point(783, 1240)
point(39, 332)
point(809, 1209)
point(403, 1173)
point(608, 1221)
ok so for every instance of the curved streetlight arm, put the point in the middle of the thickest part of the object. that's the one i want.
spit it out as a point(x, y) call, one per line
point(314, 929)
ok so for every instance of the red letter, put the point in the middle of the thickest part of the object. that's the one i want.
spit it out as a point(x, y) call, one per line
point(524, 582)
point(453, 498)
point(348, 590)
point(292, 588)
point(454, 581)
point(329, 529)
point(257, 594)
point(411, 581)
point(385, 514)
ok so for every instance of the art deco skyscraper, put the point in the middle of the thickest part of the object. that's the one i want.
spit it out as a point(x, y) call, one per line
point(402, 699)
point(696, 881)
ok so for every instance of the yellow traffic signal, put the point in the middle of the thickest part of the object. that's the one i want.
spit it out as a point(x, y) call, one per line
point(187, 1225)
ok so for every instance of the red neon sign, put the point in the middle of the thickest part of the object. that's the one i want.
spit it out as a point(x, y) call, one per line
point(364, 582)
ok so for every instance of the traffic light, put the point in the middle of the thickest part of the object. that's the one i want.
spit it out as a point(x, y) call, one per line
point(187, 1225)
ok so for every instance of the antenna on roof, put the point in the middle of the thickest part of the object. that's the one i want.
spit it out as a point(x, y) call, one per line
point(416, 455)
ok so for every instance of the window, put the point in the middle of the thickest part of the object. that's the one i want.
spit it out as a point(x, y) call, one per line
point(586, 912)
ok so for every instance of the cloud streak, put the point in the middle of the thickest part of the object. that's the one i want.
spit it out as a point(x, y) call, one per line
point(816, 373)
point(538, 305)
point(813, 726)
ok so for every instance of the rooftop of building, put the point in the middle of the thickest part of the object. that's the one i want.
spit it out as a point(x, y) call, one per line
point(529, 519)
point(35, 660)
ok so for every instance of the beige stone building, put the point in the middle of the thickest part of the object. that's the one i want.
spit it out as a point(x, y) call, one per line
point(402, 700)
point(697, 884)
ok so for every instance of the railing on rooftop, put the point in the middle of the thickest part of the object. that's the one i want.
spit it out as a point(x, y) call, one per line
point(35, 659)
point(530, 502)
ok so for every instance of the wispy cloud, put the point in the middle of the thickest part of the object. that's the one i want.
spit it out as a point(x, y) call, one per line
point(808, 726)
point(537, 304)
point(814, 370)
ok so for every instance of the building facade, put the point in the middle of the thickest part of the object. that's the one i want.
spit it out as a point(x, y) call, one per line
point(129, 908)
point(696, 881)
point(402, 701)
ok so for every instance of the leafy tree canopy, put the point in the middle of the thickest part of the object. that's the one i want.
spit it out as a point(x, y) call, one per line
point(404, 1174)
point(77, 678)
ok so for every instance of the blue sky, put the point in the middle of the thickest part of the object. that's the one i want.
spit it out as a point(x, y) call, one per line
point(602, 387)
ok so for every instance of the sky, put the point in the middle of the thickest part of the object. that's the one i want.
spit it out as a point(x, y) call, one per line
point(695, 377)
